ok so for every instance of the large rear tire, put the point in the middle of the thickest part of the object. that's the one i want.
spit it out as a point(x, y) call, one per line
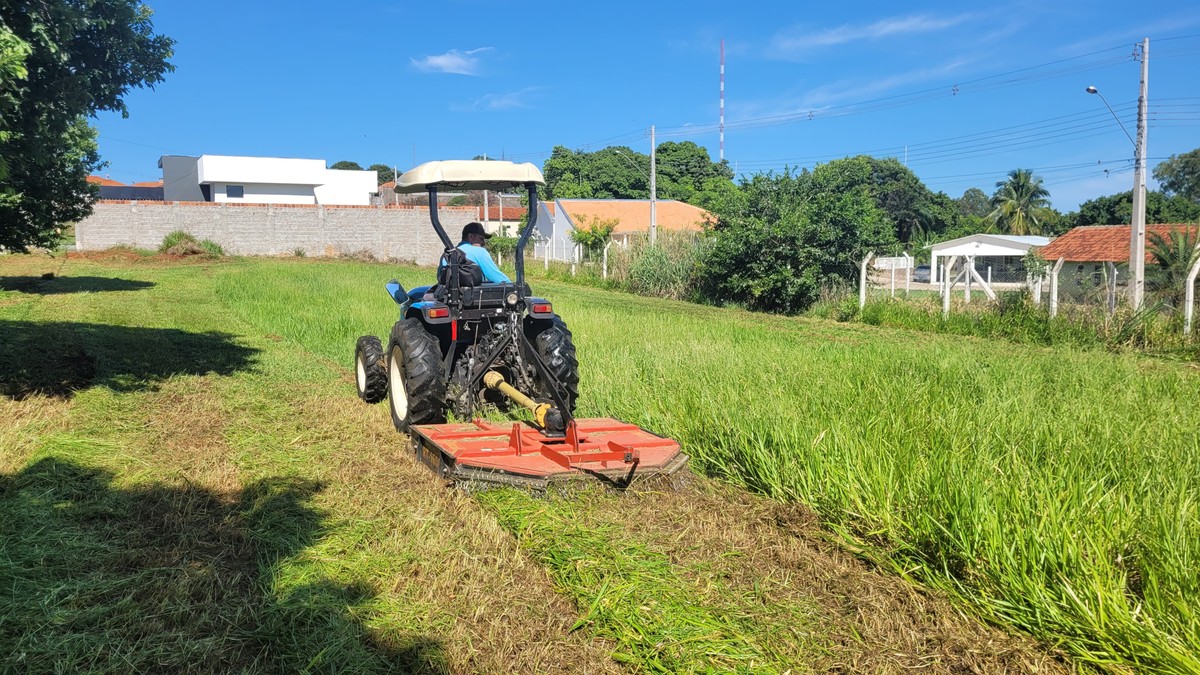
point(370, 369)
point(416, 388)
point(557, 349)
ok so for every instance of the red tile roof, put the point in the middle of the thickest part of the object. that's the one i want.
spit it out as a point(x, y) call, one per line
point(101, 180)
point(633, 215)
point(1101, 243)
point(149, 183)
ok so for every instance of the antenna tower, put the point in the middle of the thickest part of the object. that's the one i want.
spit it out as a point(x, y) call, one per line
point(722, 125)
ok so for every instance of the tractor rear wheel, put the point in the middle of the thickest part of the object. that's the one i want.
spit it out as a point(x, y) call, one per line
point(557, 350)
point(370, 369)
point(416, 388)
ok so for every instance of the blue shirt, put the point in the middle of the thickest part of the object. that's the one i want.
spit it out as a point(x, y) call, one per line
point(481, 257)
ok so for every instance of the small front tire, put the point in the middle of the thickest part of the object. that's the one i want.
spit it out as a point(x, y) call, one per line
point(370, 369)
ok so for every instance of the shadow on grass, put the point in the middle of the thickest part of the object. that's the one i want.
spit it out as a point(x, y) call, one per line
point(60, 285)
point(104, 578)
point(59, 358)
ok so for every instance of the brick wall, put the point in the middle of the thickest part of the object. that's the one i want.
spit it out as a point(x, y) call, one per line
point(258, 229)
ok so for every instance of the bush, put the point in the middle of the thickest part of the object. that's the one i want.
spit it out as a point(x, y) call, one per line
point(183, 243)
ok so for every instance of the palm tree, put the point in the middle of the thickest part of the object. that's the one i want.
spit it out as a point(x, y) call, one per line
point(1020, 203)
point(1174, 254)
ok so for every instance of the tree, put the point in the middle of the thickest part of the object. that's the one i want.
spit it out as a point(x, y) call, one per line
point(1020, 203)
point(1174, 255)
point(1180, 175)
point(685, 172)
point(1118, 210)
point(62, 61)
point(346, 165)
point(594, 235)
point(974, 202)
point(386, 174)
point(791, 234)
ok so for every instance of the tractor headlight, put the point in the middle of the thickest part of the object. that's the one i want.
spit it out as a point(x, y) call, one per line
point(512, 299)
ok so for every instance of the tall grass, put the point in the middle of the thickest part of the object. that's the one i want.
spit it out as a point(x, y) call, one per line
point(1054, 489)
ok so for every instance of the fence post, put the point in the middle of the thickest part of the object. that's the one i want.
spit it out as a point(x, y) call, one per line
point(908, 274)
point(1189, 308)
point(862, 280)
point(946, 272)
point(1054, 287)
point(604, 268)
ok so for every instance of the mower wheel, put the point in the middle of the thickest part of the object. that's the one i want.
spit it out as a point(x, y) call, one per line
point(557, 349)
point(416, 388)
point(370, 369)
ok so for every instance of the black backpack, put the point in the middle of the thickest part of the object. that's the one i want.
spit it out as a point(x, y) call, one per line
point(469, 273)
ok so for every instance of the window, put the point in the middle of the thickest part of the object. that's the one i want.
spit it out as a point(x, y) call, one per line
point(235, 191)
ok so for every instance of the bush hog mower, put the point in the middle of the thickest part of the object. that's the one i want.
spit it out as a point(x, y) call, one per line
point(463, 344)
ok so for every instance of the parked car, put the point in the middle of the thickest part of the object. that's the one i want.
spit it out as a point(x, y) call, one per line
point(921, 274)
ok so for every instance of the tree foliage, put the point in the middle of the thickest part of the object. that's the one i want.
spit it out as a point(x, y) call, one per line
point(685, 172)
point(1179, 175)
point(594, 235)
point(1118, 210)
point(789, 234)
point(1174, 255)
point(62, 61)
point(346, 165)
point(1021, 203)
point(386, 174)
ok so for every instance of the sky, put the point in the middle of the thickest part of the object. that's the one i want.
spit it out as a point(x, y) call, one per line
point(962, 93)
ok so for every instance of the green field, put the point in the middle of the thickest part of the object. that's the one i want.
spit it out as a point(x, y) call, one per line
point(1048, 489)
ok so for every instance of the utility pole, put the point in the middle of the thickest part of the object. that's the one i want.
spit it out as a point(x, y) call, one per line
point(653, 190)
point(1137, 244)
point(485, 201)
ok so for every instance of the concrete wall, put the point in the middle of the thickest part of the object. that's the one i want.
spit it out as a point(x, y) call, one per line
point(387, 232)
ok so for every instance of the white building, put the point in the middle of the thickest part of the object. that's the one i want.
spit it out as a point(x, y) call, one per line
point(1003, 253)
point(263, 180)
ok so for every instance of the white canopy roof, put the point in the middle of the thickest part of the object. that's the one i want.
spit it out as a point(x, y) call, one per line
point(469, 175)
point(989, 245)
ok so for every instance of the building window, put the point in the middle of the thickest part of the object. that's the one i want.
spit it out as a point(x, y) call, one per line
point(235, 191)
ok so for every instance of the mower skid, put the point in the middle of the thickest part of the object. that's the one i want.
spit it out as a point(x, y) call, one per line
point(486, 454)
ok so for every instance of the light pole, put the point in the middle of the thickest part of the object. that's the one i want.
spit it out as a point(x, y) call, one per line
point(1137, 226)
point(653, 190)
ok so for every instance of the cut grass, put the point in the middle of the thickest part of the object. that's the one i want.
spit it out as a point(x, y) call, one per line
point(1052, 489)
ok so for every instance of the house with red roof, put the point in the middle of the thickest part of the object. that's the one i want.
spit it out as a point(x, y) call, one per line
point(558, 219)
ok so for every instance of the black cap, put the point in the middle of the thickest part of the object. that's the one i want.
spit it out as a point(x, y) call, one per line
point(475, 228)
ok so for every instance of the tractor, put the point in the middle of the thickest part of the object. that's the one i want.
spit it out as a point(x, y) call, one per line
point(463, 346)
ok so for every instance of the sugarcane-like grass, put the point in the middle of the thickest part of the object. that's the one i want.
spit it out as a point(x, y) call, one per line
point(1051, 489)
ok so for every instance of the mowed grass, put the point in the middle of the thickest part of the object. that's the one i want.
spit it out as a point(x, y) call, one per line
point(1052, 489)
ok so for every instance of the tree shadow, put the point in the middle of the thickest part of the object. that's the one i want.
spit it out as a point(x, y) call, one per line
point(59, 285)
point(59, 358)
point(99, 577)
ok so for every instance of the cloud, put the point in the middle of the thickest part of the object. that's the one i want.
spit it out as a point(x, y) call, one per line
point(505, 101)
point(453, 61)
point(848, 91)
point(799, 40)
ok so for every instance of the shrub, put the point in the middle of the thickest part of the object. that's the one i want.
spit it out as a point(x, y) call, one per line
point(212, 248)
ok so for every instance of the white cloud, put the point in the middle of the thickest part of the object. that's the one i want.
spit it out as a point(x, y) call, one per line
point(453, 61)
point(799, 40)
point(504, 101)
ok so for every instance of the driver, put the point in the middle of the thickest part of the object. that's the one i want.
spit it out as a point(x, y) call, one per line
point(473, 239)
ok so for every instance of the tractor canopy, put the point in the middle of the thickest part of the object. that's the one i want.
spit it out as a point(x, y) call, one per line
point(466, 174)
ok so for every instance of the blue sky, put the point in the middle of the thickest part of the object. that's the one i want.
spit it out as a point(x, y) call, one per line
point(972, 91)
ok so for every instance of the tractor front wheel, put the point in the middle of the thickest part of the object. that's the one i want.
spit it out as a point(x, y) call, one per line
point(416, 388)
point(370, 369)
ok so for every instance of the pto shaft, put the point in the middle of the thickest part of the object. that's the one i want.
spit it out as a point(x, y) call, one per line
point(545, 415)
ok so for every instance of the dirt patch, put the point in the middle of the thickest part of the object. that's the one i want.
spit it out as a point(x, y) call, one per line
point(875, 622)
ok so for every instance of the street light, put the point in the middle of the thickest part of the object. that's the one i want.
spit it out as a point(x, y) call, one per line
point(1137, 225)
point(1093, 90)
point(653, 187)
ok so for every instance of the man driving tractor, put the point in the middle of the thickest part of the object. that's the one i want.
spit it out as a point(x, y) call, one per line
point(472, 246)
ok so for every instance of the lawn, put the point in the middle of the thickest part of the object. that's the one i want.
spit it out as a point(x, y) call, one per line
point(1047, 489)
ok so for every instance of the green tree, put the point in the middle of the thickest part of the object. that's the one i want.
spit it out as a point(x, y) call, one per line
point(346, 165)
point(974, 202)
point(1020, 203)
point(790, 234)
point(1118, 210)
point(62, 62)
point(1174, 254)
point(1180, 175)
point(685, 172)
point(385, 173)
point(594, 235)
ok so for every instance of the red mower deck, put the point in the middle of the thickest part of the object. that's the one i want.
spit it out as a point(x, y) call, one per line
point(519, 454)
